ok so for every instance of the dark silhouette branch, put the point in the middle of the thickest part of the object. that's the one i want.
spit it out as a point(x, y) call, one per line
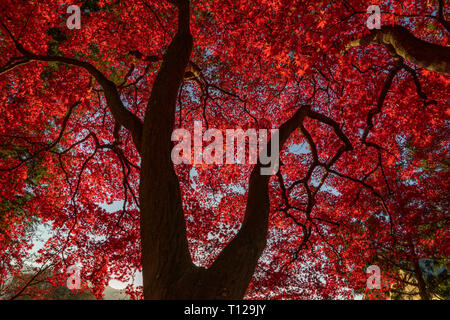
point(441, 17)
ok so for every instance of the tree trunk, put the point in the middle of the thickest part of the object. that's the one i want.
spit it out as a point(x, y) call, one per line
point(168, 270)
point(165, 254)
point(422, 286)
point(423, 292)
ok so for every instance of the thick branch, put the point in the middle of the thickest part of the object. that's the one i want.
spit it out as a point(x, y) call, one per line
point(404, 44)
point(380, 102)
point(237, 261)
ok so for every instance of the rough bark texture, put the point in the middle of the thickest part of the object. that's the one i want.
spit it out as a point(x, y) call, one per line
point(401, 42)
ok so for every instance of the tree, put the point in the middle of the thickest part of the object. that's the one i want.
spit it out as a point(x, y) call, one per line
point(98, 106)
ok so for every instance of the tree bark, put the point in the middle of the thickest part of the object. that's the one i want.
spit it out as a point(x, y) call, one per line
point(165, 253)
point(423, 291)
point(403, 43)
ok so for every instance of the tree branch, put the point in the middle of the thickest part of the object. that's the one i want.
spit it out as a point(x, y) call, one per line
point(125, 117)
point(404, 44)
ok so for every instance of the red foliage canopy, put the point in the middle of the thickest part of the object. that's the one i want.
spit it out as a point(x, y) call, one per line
point(334, 209)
